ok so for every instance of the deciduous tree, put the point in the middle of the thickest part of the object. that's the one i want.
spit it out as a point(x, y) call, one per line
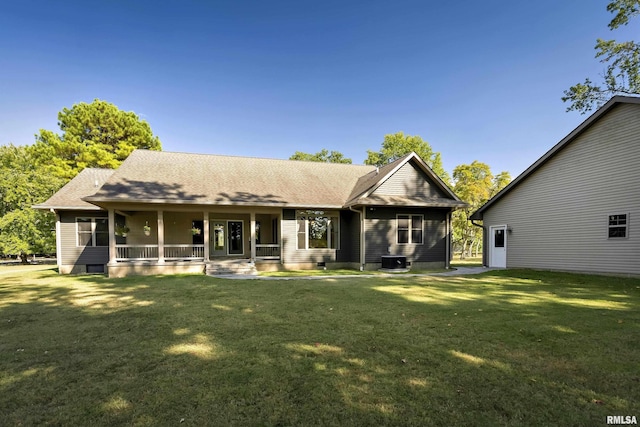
point(622, 71)
point(398, 144)
point(323, 155)
point(474, 184)
point(24, 183)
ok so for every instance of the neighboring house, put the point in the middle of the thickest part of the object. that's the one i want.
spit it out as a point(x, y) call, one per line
point(163, 212)
point(577, 208)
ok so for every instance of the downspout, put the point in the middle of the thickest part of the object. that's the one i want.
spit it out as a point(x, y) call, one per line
point(58, 240)
point(362, 231)
point(447, 263)
point(484, 243)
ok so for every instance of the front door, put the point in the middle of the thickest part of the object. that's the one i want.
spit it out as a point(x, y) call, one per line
point(498, 246)
point(235, 238)
point(218, 238)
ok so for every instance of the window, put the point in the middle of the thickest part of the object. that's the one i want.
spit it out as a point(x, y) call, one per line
point(409, 229)
point(198, 237)
point(317, 230)
point(121, 229)
point(92, 231)
point(618, 226)
point(498, 238)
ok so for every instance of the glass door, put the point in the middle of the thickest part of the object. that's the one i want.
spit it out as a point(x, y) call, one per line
point(218, 238)
point(235, 238)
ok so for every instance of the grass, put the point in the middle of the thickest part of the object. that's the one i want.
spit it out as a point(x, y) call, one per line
point(467, 262)
point(315, 273)
point(502, 348)
point(340, 272)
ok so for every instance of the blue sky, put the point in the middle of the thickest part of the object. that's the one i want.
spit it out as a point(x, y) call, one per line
point(477, 80)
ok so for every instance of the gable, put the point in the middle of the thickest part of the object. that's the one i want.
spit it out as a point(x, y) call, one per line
point(595, 172)
point(593, 147)
point(409, 181)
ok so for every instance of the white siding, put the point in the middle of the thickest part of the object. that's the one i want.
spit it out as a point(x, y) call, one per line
point(559, 213)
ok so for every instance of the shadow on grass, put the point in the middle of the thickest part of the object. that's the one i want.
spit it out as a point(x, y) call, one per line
point(503, 348)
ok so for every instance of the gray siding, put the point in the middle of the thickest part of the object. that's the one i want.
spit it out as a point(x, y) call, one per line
point(290, 252)
point(72, 254)
point(381, 235)
point(559, 213)
point(408, 181)
point(349, 248)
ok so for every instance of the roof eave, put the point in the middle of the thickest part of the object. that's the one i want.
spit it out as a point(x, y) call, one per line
point(373, 203)
point(104, 203)
point(66, 208)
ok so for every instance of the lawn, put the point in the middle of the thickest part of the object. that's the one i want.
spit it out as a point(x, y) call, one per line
point(502, 348)
point(467, 262)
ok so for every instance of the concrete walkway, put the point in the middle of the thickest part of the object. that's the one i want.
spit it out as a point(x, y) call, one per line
point(460, 271)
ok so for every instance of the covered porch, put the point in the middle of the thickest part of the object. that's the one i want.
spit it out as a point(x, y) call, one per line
point(191, 238)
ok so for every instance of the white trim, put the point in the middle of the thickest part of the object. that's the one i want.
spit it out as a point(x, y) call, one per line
point(206, 231)
point(410, 229)
point(330, 226)
point(212, 223)
point(112, 236)
point(281, 231)
point(160, 234)
point(59, 241)
point(94, 241)
point(626, 226)
point(490, 261)
point(252, 238)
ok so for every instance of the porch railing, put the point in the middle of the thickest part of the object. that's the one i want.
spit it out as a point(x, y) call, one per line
point(173, 252)
point(150, 252)
point(186, 251)
point(136, 252)
point(268, 251)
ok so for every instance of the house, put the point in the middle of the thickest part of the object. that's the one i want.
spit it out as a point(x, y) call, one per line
point(164, 212)
point(577, 208)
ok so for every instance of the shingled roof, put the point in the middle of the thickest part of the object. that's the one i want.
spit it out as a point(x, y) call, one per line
point(198, 179)
point(182, 178)
point(84, 184)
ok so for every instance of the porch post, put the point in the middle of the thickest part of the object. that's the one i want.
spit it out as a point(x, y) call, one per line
point(253, 236)
point(205, 227)
point(281, 235)
point(112, 237)
point(160, 237)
